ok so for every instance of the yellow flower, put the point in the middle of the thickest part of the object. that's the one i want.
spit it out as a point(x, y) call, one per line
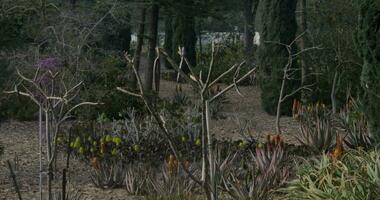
point(136, 147)
point(117, 140)
point(198, 142)
point(81, 150)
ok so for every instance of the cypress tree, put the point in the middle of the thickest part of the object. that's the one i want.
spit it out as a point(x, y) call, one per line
point(168, 46)
point(184, 32)
point(276, 22)
point(368, 40)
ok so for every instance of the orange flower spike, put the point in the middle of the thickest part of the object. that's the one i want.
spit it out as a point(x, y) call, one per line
point(294, 106)
point(278, 140)
point(339, 149)
point(187, 165)
point(95, 163)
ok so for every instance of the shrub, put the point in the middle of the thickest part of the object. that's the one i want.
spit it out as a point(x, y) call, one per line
point(368, 39)
point(356, 176)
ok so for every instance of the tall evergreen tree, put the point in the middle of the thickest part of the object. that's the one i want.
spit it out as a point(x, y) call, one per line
point(368, 39)
point(276, 22)
point(184, 31)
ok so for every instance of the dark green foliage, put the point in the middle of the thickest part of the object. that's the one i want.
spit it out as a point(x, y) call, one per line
point(17, 107)
point(184, 36)
point(225, 57)
point(12, 32)
point(368, 39)
point(115, 31)
point(100, 86)
point(277, 23)
point(331, 26)
point(168, 46)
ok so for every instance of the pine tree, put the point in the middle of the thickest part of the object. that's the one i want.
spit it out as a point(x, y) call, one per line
point(368, 40)
point(276, 22)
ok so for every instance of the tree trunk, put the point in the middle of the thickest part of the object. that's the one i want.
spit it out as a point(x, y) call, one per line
point(248, 27)
point(140, 40)
point(152, 46)
point(185, 36)
point(73, 3)
point(200, 39)
point(168, 46)
point(333, 92)
point(303, 28)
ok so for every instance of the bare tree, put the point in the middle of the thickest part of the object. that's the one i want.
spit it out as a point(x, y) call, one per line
point(209, 169)
point(288, 74)
point(55, 105)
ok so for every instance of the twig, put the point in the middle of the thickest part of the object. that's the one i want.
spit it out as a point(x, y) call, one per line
point(13, 176)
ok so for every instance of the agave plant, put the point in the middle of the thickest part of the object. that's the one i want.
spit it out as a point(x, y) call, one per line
point(180, 97)
point(266, 173)
point(136, 179)
point(316, 126)
point(355, 125)
point(173, 180)
point(109, 174)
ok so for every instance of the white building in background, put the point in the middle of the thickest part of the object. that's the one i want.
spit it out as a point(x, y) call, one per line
point(256, 39)
point(207, 37)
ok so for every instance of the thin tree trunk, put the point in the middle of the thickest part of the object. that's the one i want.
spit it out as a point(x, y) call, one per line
point(213, 184)
point(168, 46)
point(13, 176)
point(49, 173)
point(303, 28)
point(140, 40)
point(154, 14)
point(157, 76)
point(333, 92)
point(280, 99)
point(40, 146)
point(200, 39)
point(248, 29)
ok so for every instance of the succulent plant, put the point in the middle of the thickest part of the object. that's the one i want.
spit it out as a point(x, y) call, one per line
point(266, 172)
point(317, 130)
point(354, 124)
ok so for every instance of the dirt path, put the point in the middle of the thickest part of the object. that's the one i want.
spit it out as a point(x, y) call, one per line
point(241, 110)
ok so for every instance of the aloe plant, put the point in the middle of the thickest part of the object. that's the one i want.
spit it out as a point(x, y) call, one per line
point(109, 174)
point(173, 182)
point(266, 173)
point(316, 126)
point(355, 125)
point(356, 176)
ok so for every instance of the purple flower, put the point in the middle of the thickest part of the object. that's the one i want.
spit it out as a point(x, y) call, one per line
point(49, 63)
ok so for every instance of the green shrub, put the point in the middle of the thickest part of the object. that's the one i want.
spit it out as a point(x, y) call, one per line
point(368, 45)
point(356, 176)
point(100, 86)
